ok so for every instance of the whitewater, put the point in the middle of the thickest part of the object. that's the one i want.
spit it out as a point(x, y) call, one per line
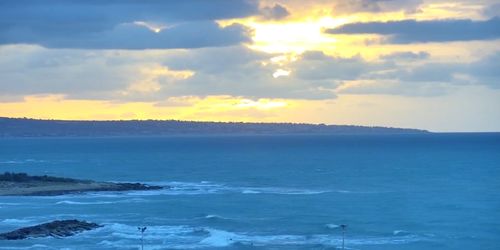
point(429, 191)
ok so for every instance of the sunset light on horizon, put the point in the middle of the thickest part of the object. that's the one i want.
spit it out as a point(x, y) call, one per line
point(426, 64)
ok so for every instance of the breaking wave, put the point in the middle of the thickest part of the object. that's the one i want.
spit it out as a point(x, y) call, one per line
point(189, 237)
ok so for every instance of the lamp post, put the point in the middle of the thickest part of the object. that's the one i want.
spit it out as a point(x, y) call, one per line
point(343, 226)
point(142, 229)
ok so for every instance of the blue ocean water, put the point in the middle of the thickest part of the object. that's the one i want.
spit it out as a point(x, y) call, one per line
point(429, 191)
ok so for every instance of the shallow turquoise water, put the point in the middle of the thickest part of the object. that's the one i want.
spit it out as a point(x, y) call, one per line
point(436, 191)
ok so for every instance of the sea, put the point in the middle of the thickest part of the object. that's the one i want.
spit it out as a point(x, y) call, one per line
point(404, 192)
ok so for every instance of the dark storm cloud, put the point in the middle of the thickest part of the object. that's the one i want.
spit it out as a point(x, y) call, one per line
point(412, 31)
point(110, 24)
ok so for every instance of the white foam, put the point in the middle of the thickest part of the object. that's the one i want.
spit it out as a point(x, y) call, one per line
point(332, 226)
point(132, 200)
point(152, 232)
point(10, 162)
point(220, 238)
point(205, 187)
point(193, 188)
point(400, 232)
point(9, 204)
point(189, 237)
point(84, 203)
point(214, 216)
point(22, 161)
point(15, 221)
point(250, 192)
point(35, 246)
point(279, 190)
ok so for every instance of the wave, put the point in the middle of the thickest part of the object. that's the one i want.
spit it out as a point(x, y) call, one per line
point(176, 188)
point(332, 226)
point(84, 203)
point(69, 202)
point(400, 232)
point(10, 204)
point(220, 238)
point(189, 237)
point(283, 191)
point(15, 221)
point(202, 188)
point(249, 191)
point(22, 161)
point(35, 246)
point(205, 188)
point(214, 216)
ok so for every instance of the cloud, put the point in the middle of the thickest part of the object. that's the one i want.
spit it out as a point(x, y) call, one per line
point(486, 70)
point(492, 10)
point(159, 76)
point(396, 88)
point(483, 72)
point(149, 76)
point(124, 24)
point(406, 56)
point(354, 6)
point(315, 65)
point(133, 36)
point(32, 70)
point(239, 71)
point(276, 12)
point(428, 79)
point(412, 31)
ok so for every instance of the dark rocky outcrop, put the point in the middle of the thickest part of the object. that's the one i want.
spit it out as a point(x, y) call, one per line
point(24, 177)
point(16, 184)
point(99, 187)
point(58, 228)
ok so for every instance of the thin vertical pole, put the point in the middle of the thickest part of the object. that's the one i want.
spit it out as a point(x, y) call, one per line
point(343, 238)
point(343, 235)
point(142, 229)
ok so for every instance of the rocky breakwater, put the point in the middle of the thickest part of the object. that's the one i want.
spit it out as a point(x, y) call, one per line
point(58, 229)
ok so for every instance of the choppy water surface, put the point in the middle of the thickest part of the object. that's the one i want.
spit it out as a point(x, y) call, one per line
point(437, 191)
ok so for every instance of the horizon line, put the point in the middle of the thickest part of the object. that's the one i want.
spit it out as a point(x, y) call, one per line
point(241, 122)
point(204, 121)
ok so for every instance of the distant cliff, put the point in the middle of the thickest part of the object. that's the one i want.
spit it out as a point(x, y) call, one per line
point(21, 127)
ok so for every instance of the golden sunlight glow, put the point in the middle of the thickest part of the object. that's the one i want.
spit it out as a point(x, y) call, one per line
point(210, 108)
point(296, 37)
point(279, 44)
point(260, 104)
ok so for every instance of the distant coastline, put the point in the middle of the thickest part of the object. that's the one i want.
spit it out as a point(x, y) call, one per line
point(25, 127)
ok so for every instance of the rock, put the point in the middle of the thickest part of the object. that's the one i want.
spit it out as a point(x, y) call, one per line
point(135, 186)
point(96, 187)
point(15, 184)
point(58, 229)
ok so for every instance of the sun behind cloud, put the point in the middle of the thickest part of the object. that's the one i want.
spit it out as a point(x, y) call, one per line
point(287, 61)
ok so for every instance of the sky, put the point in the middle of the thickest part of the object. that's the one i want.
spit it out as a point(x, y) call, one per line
point(428, 64)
